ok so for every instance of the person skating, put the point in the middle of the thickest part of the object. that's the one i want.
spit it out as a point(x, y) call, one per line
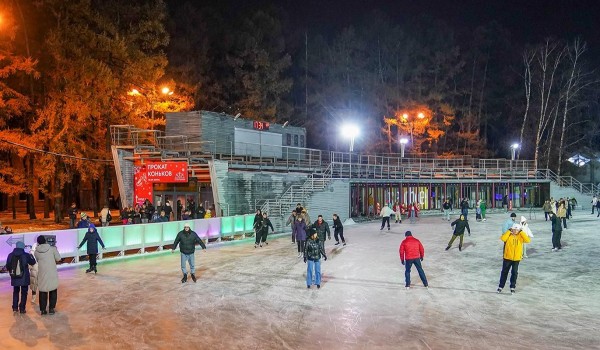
point(338, 230)
point(386, 212)
point(398, 209)
point(446, 207)
point(33, 273)
point(513, 239)
point(562, 213)
point(594, 202)
point(412, 253)
point(525, 228)
point(509, 222)
point(47, 257)
point(187, 239)
point(459, 226)
point(264, 230)
point(556, 232)
point(483, 207)
point(257, 226)
point(322, 228)
point(73, 215)
point(464, 207)
point(92, 238)
point(17, 264)
point(290, 222)
point(313, 250)
point(598, 208)
point(300, 229)
point(547, 209)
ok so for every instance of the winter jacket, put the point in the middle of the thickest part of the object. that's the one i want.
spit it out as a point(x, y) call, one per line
point(26, 259)
point(33, 269)
point(386, 212)
point(162, 219)
point(73, 213)
point(266, 223)
point(460, 226)
point(200, 212)
point(464, 205)
point(322, 229)
point(446, 206)
point(561, 212)
point(103, 214)
point(47, 257)
point(556, 224)
point(411, 248)
point(313, 250)
point(507, 225)
point(547, 207)
point(300, 229)
point(337, 225)
point(83, 223)
point(513, 245)
point(187, 242)
point(92, 239)
point(257, 224)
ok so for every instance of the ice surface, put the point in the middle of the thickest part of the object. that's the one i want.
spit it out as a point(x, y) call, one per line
point(250, 298)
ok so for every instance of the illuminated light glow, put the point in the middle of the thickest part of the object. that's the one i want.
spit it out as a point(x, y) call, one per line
point(165, 90)
point(350, 131)
point(421, 115)
point(134, 92)
point(405, 116)
point(404, 141)
point(515, 146)
point(579, 160)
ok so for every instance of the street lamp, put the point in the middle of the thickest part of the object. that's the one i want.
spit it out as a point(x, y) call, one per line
point(350, 131)
point(513, 149)
point(411, 123)
point(403, 142)
point(151, 96)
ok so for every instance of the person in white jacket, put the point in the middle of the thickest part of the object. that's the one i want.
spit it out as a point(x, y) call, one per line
point(386, 212)
point(525, 228)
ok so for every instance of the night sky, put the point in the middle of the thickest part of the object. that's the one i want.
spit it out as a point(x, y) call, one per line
point(528, 21)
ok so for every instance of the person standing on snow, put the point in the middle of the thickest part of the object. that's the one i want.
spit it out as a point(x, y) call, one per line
point(412, 253)
point(483, 207)
point(386, 212)
point(338, 229)
point(300, 229)
point(525, 228)
point(459, 226)
point(187, 239)
point(556, 232)
point(322, 228)
point(291, 221)
point(594, 202)
point(513, 239)
point(313, 250)
point(16, 264)
point(508, 223)
point(92, 238)
point(47, 257)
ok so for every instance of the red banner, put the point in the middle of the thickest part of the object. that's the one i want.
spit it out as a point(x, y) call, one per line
point(160, 172)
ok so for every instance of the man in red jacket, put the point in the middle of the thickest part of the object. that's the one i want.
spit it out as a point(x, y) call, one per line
point(412, 252)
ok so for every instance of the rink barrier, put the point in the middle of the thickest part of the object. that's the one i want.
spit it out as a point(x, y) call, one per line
point(122, 238)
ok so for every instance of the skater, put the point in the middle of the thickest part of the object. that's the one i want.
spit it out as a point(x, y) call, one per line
point(322, 228)
point(598, 208)
point(312, 255)
point(187, 239)
point(17, 265)
point(300, 229)
point(412, 252)
point(562, 214)
point(556, 232)
point(264, 230)
point(92, 238)
point(291, 221)
point(508, 223)
point(459, 226)
point(73, 215)
point(398, 209)
point(257, 226)
point(525, 228)
point(594, 202)
point(446, 207)
point(464, 208)
point(483, 207)
point(513, 251)
point(338, 230)
point(547, 209)
point(386, 212)
point(299, 209)
point(84, 222)
point(477, 212)
point(47, 257)
point(413, 212)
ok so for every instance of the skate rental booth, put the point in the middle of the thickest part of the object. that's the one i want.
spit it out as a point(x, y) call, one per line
point(134, 239)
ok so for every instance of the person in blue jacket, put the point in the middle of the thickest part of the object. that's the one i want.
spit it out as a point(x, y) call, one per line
point(21, 283)
point(92, 238)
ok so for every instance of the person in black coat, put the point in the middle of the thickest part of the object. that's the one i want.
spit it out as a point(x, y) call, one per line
point(92, 238)
point(200, 211)
point(187, 240)
point(338, 229)
point(459, 226)
point(73, 215)
point(20, 284)
point(263, 231)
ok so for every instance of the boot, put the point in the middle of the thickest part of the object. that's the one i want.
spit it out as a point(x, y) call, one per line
point(448, 247)
point(88, 270)
point(95, 271)
point(460, 248)
point(184, 279)
point(193, 277)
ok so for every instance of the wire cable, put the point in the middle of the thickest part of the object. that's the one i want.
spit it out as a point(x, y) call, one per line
point(56, 154)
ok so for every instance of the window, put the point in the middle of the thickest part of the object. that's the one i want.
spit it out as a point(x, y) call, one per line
point(295, 140)
point(288, 138)
point(301, 140)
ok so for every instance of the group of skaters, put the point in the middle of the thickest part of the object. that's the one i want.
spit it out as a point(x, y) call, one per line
point(562, 208)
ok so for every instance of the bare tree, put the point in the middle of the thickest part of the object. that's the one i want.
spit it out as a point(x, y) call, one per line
point(528, 57)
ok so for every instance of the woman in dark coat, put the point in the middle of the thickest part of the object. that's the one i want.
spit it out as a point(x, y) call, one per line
point(20, 284)
point(300, 228)
point(257, 226)
point(338, 229)
point(92, 238)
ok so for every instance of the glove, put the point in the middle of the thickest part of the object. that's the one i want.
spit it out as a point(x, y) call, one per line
point(402, 262)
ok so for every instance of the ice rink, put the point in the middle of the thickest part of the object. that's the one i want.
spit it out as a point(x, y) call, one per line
point(250, 298)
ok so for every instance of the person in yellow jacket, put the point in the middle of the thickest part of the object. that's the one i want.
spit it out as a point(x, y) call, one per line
point(513, 252)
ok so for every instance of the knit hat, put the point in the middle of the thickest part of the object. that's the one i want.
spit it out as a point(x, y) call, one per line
point(516, 227)
point(407, 233)
point(20, 245)
point(186, 225)
point(83, 215)
point(513, 215)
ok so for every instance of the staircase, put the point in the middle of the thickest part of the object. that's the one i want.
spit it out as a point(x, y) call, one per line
point(568, 186)
point(281, 207)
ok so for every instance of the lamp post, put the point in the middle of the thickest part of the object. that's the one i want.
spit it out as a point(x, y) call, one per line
point(403, 142)
point(513, 149)
point(350, 131)
point(411, 123)
point(151, 96)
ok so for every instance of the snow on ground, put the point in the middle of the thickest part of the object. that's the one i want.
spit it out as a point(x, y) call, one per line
point(249, 298)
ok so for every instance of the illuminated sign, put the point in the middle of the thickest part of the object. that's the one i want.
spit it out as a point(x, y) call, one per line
point(257, 125)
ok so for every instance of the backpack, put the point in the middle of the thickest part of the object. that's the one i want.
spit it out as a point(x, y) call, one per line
point(108, 217)
point(15, 268)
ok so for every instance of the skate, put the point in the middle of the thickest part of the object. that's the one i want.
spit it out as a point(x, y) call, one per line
point(388, 228)
point(255, 246)
point(460, 248)
point(408, 288)
point(184, 279)
point(260, 245)
point(44, 312)
point(448, 247)
point(88, 270)
point(51, 312)
point(337, 243)
point(554, 249)
point(299, 255)
point(344, 243)
point(499, 290)
point(512, 291)
point(95, 271)
point(318, 286)
point(307, 287)
point(193, 277)
point(266, 243)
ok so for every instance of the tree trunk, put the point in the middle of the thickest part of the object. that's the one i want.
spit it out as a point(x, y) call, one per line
point(56, 194)
point(14, 207)
point(30, 176)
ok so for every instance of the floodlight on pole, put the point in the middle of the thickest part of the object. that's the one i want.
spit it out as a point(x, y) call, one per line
point(350, 131)
point(513, 149)
point(403, 142)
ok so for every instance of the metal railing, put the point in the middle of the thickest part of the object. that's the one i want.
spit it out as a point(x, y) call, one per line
point(569, 181)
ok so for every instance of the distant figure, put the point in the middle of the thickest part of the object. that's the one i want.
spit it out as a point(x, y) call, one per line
point(338, 229)
point(200, 211)
point(187, 239)
point(313, 251)
point(556, 232)
point(562, 214)
point(84, 222)
point(47, 257)
point(464, 208)
point(594, 202)
point(299, 209)
point(508, 223)
point(386, 212)
point(73, 215)
point(168, 210)
point(264, 230)
point(300, 230)
point(459, 226)
point(525, 228)
point(483, 207)
point(446, 207)
point(291, 221)
point(371, 205)
point(92, 238)
point(208, 214)
point(513, 239)
point(412, 253)
point(33, 273)
point(547, 209)
point(17, 265)
point(105, 217)
point(398, 210)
